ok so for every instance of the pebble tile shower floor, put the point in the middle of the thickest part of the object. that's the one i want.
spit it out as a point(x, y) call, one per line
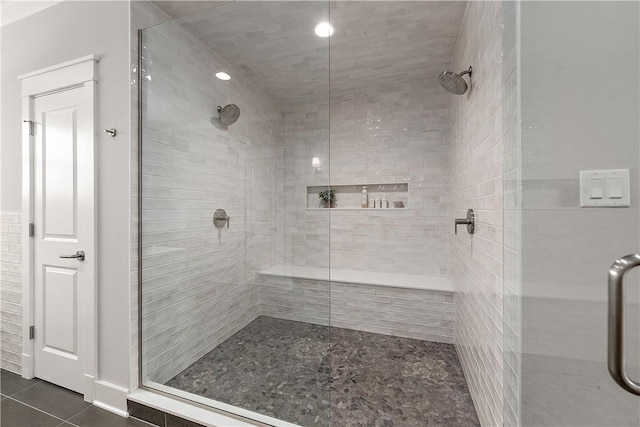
point(315, 375)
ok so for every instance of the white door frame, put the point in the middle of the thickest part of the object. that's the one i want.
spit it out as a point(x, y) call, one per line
point(75, 73)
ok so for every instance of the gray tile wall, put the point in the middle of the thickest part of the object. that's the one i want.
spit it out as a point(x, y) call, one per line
point(305, 134)
point(410, 313)
point(144, 14)
point(197, 291)
point(387, 134)
point(512, 197)
point(476, 182)
point(10, 292)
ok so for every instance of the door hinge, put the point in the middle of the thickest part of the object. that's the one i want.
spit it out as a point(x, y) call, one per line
point(32, 229)
point(31, 126)
point(32, 332)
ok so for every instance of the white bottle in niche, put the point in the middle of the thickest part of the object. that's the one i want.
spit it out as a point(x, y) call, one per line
point(365, 198)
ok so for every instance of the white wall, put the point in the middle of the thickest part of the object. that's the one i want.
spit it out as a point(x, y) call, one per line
point(60, 33)
point(10, 292)
point(476, 182)
point(13, 11)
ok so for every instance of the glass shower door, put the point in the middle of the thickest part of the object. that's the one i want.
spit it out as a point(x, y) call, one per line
point(234, 259)
point(571, 138)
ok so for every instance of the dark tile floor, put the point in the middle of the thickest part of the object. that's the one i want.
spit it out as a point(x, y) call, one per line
point(314, 375)
point(36, 403)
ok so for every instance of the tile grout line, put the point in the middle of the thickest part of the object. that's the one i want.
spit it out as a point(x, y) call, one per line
point(147, 422)
point(26, 388)
point(39, 410)
point(100, 409)
point(46, 382)
point(75, 415)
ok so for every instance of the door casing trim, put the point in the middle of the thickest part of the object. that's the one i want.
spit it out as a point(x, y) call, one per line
point(76, 73)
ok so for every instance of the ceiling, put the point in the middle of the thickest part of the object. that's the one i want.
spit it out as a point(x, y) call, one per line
point(375, 42)
point(14, 10)
point(180, 8)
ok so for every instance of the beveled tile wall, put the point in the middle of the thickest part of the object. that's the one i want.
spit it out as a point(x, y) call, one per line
point(143, 14)
point(476, 182)
point(10, 292)
point(305, 134)
point(197, 291)
point(389, 134)
point(512, 199)
point(410, 313)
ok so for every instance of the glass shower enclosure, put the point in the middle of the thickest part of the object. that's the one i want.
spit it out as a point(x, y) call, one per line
point(572, 153)
point(218, 208)
point(237, 241)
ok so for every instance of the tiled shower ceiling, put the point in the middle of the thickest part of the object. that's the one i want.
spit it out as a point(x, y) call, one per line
point(375, 42)
point(180, 8)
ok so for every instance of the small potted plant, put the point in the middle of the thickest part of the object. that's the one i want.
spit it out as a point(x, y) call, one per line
point(327, 198)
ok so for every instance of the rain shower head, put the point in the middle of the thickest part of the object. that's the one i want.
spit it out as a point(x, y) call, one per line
point(454, 83)
point(228, 114)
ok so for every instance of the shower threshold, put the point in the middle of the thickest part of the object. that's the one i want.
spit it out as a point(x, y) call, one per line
point(313, 375)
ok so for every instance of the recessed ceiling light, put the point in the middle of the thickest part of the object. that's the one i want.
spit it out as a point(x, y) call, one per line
point(324, 29)
point(223, 76)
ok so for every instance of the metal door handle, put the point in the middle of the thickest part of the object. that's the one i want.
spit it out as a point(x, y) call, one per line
point(616, 322)
point(78, 255)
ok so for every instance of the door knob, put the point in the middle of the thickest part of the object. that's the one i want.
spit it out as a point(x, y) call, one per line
point(78, 255)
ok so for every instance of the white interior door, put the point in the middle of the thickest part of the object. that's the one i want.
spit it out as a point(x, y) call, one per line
point(64, 221)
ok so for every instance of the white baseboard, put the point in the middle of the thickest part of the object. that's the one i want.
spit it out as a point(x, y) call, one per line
point(111, 397)
point(89, 388)
point(111, 409)
point(27, 366)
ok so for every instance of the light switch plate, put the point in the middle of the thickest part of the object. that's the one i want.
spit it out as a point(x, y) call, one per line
point(608, 188)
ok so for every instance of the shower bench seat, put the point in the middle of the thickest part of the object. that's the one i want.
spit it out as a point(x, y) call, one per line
point(404, 305)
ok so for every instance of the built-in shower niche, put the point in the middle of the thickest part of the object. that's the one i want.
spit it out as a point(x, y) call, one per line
point(349, 197)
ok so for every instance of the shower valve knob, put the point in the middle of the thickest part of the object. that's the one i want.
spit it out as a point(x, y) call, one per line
point(469, 221)
point(220, 218)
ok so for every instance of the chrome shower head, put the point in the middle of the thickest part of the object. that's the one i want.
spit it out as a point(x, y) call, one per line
point(228, 114)
point(454, 83)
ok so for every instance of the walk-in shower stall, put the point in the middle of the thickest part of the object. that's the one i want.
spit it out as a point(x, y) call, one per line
point(268, 283)
point(388, 213)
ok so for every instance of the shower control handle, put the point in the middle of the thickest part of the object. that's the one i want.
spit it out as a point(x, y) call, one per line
point(469, 221)
point(220, 218)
